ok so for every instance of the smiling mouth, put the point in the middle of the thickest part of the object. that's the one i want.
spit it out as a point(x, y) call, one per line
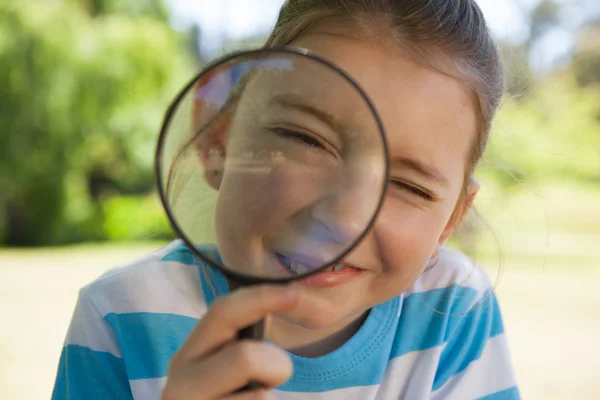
point(300, 268)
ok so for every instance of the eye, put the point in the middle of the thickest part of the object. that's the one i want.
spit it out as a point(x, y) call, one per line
point(302, 137)
point(413, 190)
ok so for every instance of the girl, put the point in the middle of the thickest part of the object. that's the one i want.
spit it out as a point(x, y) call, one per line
point(418, 322)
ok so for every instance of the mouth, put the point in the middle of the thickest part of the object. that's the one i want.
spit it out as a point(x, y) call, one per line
point(301, 265)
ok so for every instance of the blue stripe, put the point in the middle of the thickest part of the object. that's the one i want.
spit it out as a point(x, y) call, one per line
point(149, 340)
point(89, 375)
point(468, 336)
point(426, 315)
point(214, 283)
point(508, 394)
point(181, 254)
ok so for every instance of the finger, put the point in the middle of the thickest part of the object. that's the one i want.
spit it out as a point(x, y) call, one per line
point(229, 314)
point(230, 369)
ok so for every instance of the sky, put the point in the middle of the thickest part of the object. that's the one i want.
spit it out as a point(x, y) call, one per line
point(223, 20)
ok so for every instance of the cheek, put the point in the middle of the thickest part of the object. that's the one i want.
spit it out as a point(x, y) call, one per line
point(406, 236)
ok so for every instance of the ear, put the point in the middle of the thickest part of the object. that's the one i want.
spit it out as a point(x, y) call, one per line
point(211, 125)
point(462, 208)
point(211, 149)
point(213, 159)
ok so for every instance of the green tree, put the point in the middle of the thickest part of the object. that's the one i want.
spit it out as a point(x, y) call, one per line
point(83, 94)
point(145, 8)
point(586, 62)
point(551, 135)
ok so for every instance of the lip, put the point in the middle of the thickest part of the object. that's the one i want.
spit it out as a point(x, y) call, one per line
point(324, 278)
point(332, 278)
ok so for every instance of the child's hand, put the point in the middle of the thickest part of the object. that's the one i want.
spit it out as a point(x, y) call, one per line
point(213, 364)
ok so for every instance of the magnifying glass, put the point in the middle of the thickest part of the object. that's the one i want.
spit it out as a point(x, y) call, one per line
point(272, 166)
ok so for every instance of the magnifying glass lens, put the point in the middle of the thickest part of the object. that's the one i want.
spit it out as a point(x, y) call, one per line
point(272, 165)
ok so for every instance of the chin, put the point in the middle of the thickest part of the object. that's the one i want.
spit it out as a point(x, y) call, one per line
point(319, 319)
point(312, 322)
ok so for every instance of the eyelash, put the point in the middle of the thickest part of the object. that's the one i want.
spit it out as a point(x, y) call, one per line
point(413, 190)
point(305, 138)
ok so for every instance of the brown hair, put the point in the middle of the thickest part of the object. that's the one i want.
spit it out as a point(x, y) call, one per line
point(449, 35)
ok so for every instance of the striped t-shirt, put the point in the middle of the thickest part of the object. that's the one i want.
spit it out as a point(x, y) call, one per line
point(443, 338)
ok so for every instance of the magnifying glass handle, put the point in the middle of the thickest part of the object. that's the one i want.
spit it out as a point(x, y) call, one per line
point(252, 332)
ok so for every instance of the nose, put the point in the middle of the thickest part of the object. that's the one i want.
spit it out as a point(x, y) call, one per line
point(343, 214)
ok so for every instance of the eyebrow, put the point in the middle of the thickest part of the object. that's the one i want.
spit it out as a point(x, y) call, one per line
point(422, 169)
point(297, 102)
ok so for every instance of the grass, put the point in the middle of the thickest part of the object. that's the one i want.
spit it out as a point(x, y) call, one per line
point(38, 290)
point(548, 293)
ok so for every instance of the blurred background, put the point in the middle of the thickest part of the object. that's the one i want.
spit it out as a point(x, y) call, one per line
point(83, 88)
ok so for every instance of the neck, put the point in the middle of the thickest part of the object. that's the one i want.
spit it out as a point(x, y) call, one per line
point(312, 343)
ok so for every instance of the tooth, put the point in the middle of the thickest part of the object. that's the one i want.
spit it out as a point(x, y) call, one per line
point(299, 268)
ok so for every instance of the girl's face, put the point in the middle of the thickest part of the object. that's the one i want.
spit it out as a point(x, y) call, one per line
point(430, 122)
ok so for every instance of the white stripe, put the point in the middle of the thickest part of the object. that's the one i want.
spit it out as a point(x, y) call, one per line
point(490, 374)
point(410, 376)
point(357, 392)
point(452, 267)
point(149, 257)
point(89, 329)
point(150, 286)
point(147, 389)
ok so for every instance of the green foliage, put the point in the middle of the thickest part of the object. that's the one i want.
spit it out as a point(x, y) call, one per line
point(83, 97)
point(135, 218)
point(551, 135)
point(146, 8)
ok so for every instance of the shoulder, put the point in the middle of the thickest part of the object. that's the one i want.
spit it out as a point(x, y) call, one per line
point(129, 322)
point(448, 320)
point(474, 359)
point(453, 268)
point(164, 281)
point(454, 301)
point(453, 281)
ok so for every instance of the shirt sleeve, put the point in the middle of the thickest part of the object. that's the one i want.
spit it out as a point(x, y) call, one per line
point(475, 362)
point(91, 365)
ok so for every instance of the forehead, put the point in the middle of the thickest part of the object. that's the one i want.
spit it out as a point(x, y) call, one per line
point(426, 113)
